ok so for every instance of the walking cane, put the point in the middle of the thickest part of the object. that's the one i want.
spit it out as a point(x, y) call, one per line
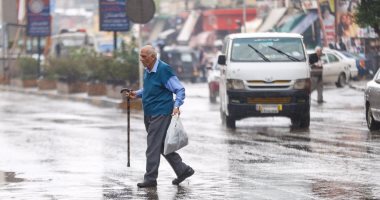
point(128, 117)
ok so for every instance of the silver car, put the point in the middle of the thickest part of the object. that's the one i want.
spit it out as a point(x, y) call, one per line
point(372, 103)
point(336, 70)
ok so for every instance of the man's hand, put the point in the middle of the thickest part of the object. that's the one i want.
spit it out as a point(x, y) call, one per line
point(176, 111)
point(131, 94)
point(316, 65)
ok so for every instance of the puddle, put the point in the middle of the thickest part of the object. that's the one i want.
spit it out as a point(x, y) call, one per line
point(9, 177)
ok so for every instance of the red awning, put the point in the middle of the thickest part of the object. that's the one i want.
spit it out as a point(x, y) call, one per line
point(225, 19)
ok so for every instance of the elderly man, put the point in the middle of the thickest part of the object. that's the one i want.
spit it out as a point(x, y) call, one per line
point(315, 62)
point(160, 83)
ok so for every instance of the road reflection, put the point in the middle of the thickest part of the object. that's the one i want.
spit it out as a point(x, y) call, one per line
point(341, 190)
point(9, 177)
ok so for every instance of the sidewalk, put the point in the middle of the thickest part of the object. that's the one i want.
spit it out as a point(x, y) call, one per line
point(101, 101)
point(358, 85)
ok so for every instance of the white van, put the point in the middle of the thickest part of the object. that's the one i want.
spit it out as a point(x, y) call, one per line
point(264, 74)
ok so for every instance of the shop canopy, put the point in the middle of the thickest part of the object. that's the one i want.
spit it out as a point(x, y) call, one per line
point(166, 33)
point(188, 27)
point(206, 38)
point(306, 22)
point(253, 25)
point(289, 22)
point(157, 29)
point(271, 20)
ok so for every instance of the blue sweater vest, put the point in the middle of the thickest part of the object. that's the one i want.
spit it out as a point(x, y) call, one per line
point(156, 98)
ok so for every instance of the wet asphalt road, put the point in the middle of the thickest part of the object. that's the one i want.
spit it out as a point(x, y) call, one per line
point(52, 149)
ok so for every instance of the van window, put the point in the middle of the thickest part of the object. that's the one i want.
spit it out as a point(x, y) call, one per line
point(269, 49)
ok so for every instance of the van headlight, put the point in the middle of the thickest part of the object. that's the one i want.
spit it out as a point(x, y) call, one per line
point(235, 84)
point(302, 84)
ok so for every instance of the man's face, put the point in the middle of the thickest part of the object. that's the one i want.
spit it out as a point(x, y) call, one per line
point(146, 58)
point(319, 52)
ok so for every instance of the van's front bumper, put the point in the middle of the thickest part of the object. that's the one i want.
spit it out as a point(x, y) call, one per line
point(291, 103)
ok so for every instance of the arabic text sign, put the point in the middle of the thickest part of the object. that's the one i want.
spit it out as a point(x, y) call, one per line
point(38, 16)
point(113, 16)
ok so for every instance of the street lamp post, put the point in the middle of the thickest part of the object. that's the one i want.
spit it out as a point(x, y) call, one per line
point(244, 17)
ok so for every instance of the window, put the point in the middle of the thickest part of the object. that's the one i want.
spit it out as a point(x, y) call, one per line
point(332, 58)
point(324, 59)
point(273, 49)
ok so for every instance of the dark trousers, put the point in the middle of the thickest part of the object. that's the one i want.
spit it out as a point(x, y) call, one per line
point(156, 127)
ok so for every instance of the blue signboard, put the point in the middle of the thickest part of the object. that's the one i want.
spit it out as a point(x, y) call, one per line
point(113, 15)
point(38, 15)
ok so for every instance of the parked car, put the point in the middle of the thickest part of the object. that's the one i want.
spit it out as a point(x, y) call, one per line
point(361, 62)
point(335, 70)
point(184, 61)
point(213, 77)
point(372, 102)
point(352, 60)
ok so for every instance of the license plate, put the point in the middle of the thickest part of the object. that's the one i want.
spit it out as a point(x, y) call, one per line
point(269, 108)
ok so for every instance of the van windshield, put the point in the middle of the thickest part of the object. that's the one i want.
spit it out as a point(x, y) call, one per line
point(272, 49)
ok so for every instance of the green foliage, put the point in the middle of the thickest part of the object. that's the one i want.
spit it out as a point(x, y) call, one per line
point(71, 68)
point(368, 14)
point(49, 73)
point(85, 64)
point(126, 64)
point(28, 68)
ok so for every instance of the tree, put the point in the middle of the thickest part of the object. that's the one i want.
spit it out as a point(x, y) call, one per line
point(368, 14)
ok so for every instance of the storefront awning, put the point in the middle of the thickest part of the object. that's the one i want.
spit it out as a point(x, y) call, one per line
point(166, 33)
point(157, 29)
point(253, 25)
point(305, 23)
point(274, 16)
point(206, 38)
point(290, 22)
point(188, 27)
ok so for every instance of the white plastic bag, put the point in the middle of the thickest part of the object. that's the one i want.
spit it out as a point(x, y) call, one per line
point(176, 137)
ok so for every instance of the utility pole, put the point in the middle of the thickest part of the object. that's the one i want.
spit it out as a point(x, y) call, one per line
point(244, 17)
point(336, 21)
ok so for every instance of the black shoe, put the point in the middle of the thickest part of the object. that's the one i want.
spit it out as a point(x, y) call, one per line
point(146, 184)
point(320, 102)
point(189, 172)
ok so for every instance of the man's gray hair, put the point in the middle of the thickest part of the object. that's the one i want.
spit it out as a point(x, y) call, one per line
point(318, 48)
point(150, 49)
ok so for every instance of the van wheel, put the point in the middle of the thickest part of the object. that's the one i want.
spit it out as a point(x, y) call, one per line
point(371, 123)
point(305, 120)
point(301, 121)
point(230, 122)
point(341, 80)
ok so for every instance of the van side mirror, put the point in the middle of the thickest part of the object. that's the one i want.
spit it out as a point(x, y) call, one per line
point(222, 60)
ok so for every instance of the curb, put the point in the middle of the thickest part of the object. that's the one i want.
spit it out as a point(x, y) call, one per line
point(356, 87)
